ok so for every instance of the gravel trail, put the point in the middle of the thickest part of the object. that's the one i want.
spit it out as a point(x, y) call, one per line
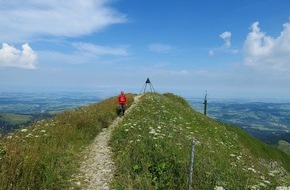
point(97, 168)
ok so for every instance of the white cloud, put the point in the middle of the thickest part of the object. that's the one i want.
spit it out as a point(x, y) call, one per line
point(160, 48)
point(23, 20)
point(101, 50)
point(265, 52)
point(12, 57)
point(226, 36)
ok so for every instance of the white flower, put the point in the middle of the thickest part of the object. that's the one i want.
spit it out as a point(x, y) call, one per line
point(29, 135)
point(282, 188)
point(218, 188)
point(262, 184)
point(252, 169)
point(232, 155)
point(24, 130)
point(267, 182)
point(9, 137)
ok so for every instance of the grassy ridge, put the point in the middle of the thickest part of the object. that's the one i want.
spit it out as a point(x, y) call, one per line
point(44, 155)
point(152, 150)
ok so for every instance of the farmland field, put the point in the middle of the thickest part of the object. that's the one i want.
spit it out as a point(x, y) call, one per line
point(270, 122)
point(20, 109)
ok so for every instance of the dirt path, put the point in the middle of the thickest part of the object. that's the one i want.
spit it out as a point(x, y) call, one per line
point(97, 168)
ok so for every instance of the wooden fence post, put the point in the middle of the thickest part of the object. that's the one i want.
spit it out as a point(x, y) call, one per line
point(191, 165)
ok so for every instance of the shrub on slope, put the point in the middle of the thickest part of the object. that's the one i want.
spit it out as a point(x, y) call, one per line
point(152, 150)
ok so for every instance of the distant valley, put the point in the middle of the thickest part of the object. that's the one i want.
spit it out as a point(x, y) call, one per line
point(20, 109)
point(269, 122)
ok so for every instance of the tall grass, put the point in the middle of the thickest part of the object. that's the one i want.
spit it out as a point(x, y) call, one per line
point(44, 155)
point(152, 150)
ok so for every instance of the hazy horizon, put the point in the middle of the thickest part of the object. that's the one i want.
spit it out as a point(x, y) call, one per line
point(231, 49)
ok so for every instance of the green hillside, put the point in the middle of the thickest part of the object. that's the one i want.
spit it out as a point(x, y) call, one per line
point(152, 151)
point(46, 154)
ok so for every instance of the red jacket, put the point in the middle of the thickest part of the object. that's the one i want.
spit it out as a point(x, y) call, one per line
point(122, 99)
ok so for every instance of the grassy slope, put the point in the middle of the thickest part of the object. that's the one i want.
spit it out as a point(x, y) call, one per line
point(152, 148)
point(44, 155)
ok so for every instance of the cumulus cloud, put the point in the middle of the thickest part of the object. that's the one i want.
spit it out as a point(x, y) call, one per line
point(23, 20)
point(226, 36)
point(265, 52)
point(12, 57)
point(160, 48)
point(101, 50)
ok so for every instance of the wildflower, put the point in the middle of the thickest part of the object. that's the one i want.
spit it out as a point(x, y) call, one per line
point(126, 130)
point(152, 131)
point(218, 188)
point(267, 182)
point(233, 164)
point(254, 187)
point(252, 169)
point(24, 130)
point(29, 135)
point(282, 188)
point(43, 131)
point(273, 173)
point(9, 137)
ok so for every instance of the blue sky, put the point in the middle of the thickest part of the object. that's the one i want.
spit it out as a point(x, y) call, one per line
point(231, 48)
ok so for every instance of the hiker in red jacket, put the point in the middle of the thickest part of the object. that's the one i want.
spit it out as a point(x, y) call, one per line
point(122, 103)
